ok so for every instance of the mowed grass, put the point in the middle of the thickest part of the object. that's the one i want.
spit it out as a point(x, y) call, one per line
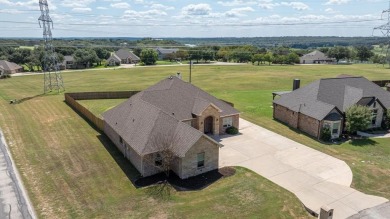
point(71, 171)
point(250, 87)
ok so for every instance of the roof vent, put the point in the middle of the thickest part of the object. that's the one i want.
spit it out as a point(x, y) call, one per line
point(178, 75)
point(296, 84)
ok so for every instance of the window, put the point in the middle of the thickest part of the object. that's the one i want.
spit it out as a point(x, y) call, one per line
point(201, 160)
point(374, 115)
point(227, 122)
point(335, 128)
point(158, 160)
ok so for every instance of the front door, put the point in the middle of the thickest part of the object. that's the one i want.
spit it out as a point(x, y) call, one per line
point(208, 125)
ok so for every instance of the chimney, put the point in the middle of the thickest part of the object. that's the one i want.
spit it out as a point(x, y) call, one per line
point(178, 75)
point(296, 84)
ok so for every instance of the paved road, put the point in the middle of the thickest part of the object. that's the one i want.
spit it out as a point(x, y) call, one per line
point(315, 178)
point(13, 201)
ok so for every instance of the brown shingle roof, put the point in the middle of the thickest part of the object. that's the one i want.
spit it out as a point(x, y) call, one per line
point(158, 111)
point(125, 54)
point(9, 66)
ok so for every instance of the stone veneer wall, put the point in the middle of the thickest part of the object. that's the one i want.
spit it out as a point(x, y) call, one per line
point(209, 111)
point(236, 123)
point(189, 163)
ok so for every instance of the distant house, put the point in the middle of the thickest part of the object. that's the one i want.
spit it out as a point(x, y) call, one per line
point(323, 103)
point(316, 57)
point(164, 53)
point(124, 56)
point(175, 110)
point(7, 67)
point(68, 63)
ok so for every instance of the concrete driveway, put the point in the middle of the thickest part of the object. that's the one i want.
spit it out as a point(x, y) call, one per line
point(317, 179)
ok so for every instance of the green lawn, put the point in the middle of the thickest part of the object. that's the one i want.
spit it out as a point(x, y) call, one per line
point(71, 171)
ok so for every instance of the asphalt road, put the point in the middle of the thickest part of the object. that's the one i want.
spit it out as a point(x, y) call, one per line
point(13, 199)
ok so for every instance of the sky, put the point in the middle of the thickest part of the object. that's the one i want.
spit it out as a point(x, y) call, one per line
point(190, 18)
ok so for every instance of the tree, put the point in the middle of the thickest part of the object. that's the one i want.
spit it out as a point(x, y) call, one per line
point(182, 54)
point(378, 59)
point(257, 58)
point(102, 54)
point(149, 56)
point(241, 56)
point(195, 54)
point(20, 56)
point(85, 57)
point(137, 51)
point(268, 58)
point(292, 58)
point(170, 56)
point(339, 52)
point(364, 53)
point(208, 55)
point(358, 118)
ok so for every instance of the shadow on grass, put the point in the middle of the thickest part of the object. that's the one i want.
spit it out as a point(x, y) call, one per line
point(198, 182)
point(363, 142)
point(18, 101)
point(130, 171)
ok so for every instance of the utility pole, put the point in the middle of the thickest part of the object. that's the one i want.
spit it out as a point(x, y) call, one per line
point(190, 70)
point(52, 76)
point(385, 29)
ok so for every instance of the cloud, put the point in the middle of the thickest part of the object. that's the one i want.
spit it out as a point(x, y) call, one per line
point(142, 15)
point(199, 9)
point(330, 11)
point(236, 3)
point(267, 4)
point(238, 12)
point(162, 7)
point(337, 2)
point(11, 11)
point(81, 10)
point(101, 8)
point(76, 3)
point(300, 6)
point(120, 5)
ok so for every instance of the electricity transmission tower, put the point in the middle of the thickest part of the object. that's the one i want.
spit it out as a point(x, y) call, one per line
point(385, 29)
point(52, 76)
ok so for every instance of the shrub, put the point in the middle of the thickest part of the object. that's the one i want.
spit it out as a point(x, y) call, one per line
point(232, 130)
point(326, 135)
point(358, 118)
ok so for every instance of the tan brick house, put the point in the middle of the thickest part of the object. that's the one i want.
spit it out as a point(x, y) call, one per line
point(324, 102)
point(175, 110)
point(7, 67)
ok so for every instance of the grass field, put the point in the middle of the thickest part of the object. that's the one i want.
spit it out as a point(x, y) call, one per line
point(71, 171)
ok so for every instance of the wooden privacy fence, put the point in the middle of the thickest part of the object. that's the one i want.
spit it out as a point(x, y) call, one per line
point(71, 99)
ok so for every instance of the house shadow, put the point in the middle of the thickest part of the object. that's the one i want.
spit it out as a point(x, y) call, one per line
point(362, 142)
point(194, 183)
point(219, 138)
point(18, 101)
point(127, 168)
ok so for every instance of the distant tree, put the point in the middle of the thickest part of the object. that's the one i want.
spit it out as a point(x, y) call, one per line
point(292, 58)
point(241, 56)
point(66, 51)
point(195, 54)
point(224, 54)
point(85, 57)
point(149, 56)
point(170, 56)
point(358, 118)
point(364, 53)
point(137, 51)
point(208, 55)
point(257, 58)
point(182, 54)
point(378, 59)
point(339, 52)
point(268, 58)
point(20, 56)
point(102, 54)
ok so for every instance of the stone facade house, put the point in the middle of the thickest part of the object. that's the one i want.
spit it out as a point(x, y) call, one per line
point(165, 53)
point(323, 103)
point(315, 57)
point(7, 67)
point(170, 111)
point(123, 56)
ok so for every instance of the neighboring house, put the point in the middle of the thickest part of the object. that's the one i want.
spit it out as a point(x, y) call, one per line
point(176, 111)
point(324, 103)
point(7, 67)
point(125, 57)
point(68, 63)
point(165, 53)
point(113, 60)
point(315, 57)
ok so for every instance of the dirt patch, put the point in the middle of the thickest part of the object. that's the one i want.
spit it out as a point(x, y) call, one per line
point(193, 183)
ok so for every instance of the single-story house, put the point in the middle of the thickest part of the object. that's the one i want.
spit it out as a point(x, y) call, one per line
point(124, 56)
point(67, 63)
point(164, 53)
point(323, 103)
point(315, 57)
point(173, 112)
point(7, 67)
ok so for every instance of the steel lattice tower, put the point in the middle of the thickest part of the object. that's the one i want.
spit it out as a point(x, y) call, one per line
point(385, 29)
point(52, 76)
